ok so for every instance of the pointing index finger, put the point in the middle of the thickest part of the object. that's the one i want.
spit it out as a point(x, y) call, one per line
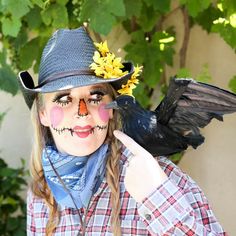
point(134, 147)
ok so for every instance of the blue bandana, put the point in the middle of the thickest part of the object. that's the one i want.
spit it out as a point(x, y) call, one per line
point(82, 176)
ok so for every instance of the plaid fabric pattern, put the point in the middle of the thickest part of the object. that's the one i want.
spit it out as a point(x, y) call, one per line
point(177, 207)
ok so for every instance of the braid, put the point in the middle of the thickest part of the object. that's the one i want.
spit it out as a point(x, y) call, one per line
point(39, 186)
point(113, 174)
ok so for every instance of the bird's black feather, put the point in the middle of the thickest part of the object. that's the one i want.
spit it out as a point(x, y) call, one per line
point(175, 124)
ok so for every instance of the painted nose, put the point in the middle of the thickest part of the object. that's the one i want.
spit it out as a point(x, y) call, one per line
point(82, 108)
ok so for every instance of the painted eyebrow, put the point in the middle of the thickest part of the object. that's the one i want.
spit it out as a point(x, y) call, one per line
point(64, 92)
point(98, 90)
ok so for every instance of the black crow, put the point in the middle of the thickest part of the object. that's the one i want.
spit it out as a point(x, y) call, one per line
point(175, 123)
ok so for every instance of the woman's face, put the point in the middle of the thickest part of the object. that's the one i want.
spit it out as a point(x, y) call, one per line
point(77, 118)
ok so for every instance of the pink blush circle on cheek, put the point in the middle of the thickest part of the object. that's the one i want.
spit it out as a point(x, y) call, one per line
point(56, 116)
point(103, 113)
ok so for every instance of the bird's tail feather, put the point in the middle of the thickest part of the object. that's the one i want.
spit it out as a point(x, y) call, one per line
point(194, 140)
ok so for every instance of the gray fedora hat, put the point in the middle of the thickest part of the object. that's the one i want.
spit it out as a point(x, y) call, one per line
point(65, 64)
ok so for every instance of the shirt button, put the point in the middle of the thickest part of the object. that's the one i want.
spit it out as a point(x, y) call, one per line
point(148, 217)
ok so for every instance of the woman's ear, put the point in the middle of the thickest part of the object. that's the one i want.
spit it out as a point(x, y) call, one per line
point(43, 116)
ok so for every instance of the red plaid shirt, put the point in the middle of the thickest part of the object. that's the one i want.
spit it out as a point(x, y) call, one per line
point(177, 207)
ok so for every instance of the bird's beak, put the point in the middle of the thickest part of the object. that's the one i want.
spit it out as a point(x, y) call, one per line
point(111, 105)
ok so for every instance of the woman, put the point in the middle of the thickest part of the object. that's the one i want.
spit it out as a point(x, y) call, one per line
point(85, 182)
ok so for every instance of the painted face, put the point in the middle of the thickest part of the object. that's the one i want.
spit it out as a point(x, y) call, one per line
point(77, 118)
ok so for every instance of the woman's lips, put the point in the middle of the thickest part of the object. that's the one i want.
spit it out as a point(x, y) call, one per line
point(83, 131)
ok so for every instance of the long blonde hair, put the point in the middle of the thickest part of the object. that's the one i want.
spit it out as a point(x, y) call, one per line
point(39, 186)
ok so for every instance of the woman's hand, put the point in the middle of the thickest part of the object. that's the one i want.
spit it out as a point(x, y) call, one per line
point(143, 173)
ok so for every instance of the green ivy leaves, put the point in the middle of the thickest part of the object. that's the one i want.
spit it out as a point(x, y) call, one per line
point(232, 84)
point(12, 205)
point(7, 76)
point(194, 7)
point(56, 15)
point(159, 5)
point(102, 14)
point(10, 26)
point(12, 12)
point(153, 52)
point(16, 9)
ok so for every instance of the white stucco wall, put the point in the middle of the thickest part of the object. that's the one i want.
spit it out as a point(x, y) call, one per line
point(15, 133)
point(213, 164)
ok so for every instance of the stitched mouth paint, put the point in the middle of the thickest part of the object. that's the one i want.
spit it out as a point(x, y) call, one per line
point(84, 131)
point(81, 132)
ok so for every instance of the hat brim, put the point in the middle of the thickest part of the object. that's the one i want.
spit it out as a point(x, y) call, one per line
point(29, 90)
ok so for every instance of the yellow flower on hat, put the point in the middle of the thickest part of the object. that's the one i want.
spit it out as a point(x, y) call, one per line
point(131, 83)
point(107, 65)
point(97, 58)
point(102, 47)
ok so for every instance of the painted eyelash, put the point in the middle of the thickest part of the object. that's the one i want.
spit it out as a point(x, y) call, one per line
point(62, 103)
point(100, 93)
point(59, 96)
point(94, 101)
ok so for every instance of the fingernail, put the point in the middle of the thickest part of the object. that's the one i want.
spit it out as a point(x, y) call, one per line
point(116, 133)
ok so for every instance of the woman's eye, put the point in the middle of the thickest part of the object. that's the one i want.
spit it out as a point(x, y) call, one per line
point(62, 100)
point(95, 98)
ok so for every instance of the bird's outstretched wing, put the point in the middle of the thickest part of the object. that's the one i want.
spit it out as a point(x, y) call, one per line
point(190, 105)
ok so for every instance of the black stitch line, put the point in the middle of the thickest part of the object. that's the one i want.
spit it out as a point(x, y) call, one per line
point(82, 115)
point(72, 132)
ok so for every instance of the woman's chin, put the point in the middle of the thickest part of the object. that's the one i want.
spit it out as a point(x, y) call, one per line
point(78, 146)
point(81, 150)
